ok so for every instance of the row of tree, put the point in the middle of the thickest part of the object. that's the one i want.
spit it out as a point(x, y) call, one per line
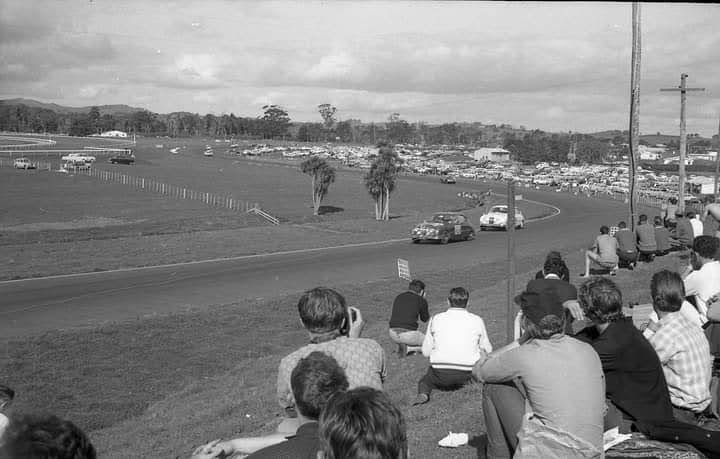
point(380, 180)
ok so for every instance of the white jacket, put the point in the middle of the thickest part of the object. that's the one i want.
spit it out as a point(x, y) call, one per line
point(455, 339)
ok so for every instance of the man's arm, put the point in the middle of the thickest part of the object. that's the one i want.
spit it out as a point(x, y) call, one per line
point(429, 341)
point(483, 340)
point(713, 305)
point(663, 345)
point(692, 284)
point(284, 393)
point(499, 366)
point(424, 311)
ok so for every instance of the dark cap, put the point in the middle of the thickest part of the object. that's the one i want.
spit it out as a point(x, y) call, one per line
point(536, 305)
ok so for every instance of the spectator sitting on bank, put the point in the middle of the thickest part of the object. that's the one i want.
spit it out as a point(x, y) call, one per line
point(711, 217)
point(603, 253)
point(35, 436)
point(627, 246)
point(702, 276)
point(314, 380)
point(682, 348)
point(662, 238)
point(635, 385)
point(6, 397)
point(557, 374)
point(566, 292)
point(647, 246)
point(362, 423)
point(695, 222)
point(454, 341)
point(683, 233)
point(564, 271)
point(671, 212)
point(408, 308)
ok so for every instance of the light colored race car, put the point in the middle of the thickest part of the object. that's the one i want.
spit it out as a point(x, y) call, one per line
point(497, 219)
point(23, 163)
point(444, 227)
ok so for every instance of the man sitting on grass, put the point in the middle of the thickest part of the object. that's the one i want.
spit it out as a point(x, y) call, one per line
point(702, 276)
point(362, 423)
point(683, 233)
point(627, 246)
point(560, 377)
point(454, 341)
point(603, 253)
point(408, 308)
point(646, 244)
point(682, 348)
point(662, 238)
point(314, 380)
point(711, 218)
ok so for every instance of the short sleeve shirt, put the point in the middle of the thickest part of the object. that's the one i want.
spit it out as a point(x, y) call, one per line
point(362, 359)
point(607, 248)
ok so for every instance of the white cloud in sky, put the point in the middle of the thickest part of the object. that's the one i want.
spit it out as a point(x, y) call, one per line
point(551, 66)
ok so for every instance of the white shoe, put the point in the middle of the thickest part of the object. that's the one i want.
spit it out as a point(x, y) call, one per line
point(453, 440)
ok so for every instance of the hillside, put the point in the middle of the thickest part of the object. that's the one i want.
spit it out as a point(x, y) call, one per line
point(104, 109)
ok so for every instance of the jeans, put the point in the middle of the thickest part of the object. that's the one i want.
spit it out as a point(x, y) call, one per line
point(409, 337)
point(441, 378)
point(503, 409)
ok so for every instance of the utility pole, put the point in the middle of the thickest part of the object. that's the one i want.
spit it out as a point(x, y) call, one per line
point(683, 137)
point(634, 132)
point(510, 227)
point(716, 191)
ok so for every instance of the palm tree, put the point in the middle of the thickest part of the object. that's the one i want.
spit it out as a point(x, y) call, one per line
point(323, 175)
point(381, 179)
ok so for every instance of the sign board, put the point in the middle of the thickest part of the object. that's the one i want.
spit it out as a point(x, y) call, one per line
point(458, 230)
point(707, 188)
point(518, 197)
point(403, 269)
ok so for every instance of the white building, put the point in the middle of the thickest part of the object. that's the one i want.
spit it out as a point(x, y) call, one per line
point(498, 155)
point(651, 153)
point(113, 134)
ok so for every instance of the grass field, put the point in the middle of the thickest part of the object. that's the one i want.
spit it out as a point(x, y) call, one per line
point(155, 387)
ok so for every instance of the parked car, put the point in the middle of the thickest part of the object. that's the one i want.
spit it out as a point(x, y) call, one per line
point(497, 218)
point(122, 159)
point(449, 179)
point(23, 163)
point(443, 227)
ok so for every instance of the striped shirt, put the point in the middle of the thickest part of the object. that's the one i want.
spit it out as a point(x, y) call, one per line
point(684, 353)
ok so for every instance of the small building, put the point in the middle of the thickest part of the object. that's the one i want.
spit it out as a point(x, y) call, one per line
point(651, 153)
point(498, 155)
point(114, 134)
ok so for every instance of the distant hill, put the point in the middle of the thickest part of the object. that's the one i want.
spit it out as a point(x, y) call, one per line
point(104, 109)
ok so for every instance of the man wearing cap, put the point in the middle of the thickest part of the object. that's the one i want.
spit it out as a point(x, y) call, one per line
point(557, 374)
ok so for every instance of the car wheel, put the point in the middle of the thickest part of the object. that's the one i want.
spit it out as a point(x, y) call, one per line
point(416, 241)
point(445, 239)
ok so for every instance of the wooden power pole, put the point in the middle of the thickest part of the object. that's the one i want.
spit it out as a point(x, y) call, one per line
point(510, 313)
point(683, 137)
point(634, 132)
point(716, 191)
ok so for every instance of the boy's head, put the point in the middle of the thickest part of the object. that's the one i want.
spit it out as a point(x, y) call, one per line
point(706, 247)
point(458, 297)
point(314, 380)
point(322, 310)
point(362, 423)
point(642, 219)
point(622, 225)
point(690, 214)
point(658, 221)
point(604, 229)
point(45, 437)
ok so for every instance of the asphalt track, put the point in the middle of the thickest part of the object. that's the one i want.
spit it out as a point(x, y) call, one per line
point(33, 306)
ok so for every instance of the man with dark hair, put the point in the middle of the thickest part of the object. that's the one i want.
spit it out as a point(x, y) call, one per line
point(556, 373)
point(603, 252)
point(315, 380)
point(662, 238)
point(362, 423)
point(455, 340)
point(635, 384)
point(556, 259)
point(681, 346)
point(671, 212)
point(702, 277)
point(683, 233)
point(45, 437)
point(627, 246)
point(408, 308)
point(566, 292)
point(646, 243)
point(334, 331)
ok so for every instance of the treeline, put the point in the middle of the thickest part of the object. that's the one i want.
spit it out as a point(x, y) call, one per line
point(537, 146)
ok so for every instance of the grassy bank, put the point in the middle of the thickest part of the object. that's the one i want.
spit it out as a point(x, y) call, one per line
point(155, 387)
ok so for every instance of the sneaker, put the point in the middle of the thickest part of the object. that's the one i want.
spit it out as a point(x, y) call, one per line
point(421, 399)
point(631, 266)
point(402, 350)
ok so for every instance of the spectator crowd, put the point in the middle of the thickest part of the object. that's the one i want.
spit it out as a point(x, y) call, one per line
point(579, 364)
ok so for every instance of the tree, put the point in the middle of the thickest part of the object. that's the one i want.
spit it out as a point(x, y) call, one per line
point(327, 112)
point(275, 121)
point(381, 179)
point(322, 174)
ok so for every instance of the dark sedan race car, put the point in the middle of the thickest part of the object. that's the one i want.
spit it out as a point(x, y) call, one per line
point(444, 227)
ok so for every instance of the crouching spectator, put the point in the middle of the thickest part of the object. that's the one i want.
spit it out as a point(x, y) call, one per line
point(315, 379)
point(682, 348)
point(702, 276)
point(556, 374)
point(662, 238)
point(603, 252)
point(408, 308)
point(45, 437)
point(646, 243)
point(455, 340)
point(683, 233)
point(362, 423)
point(626, 247)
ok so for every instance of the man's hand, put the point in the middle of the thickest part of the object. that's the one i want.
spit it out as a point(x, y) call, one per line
point(653, 326)
point(356, 323)
point(210, 450)
point(575, 310)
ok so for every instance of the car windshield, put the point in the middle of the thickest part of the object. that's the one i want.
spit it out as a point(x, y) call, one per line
point(501, 210)
point(441, 218)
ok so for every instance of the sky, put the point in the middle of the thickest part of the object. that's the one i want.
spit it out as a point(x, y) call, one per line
point(542, 65)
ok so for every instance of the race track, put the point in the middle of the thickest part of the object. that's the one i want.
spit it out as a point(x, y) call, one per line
point(34, 306)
